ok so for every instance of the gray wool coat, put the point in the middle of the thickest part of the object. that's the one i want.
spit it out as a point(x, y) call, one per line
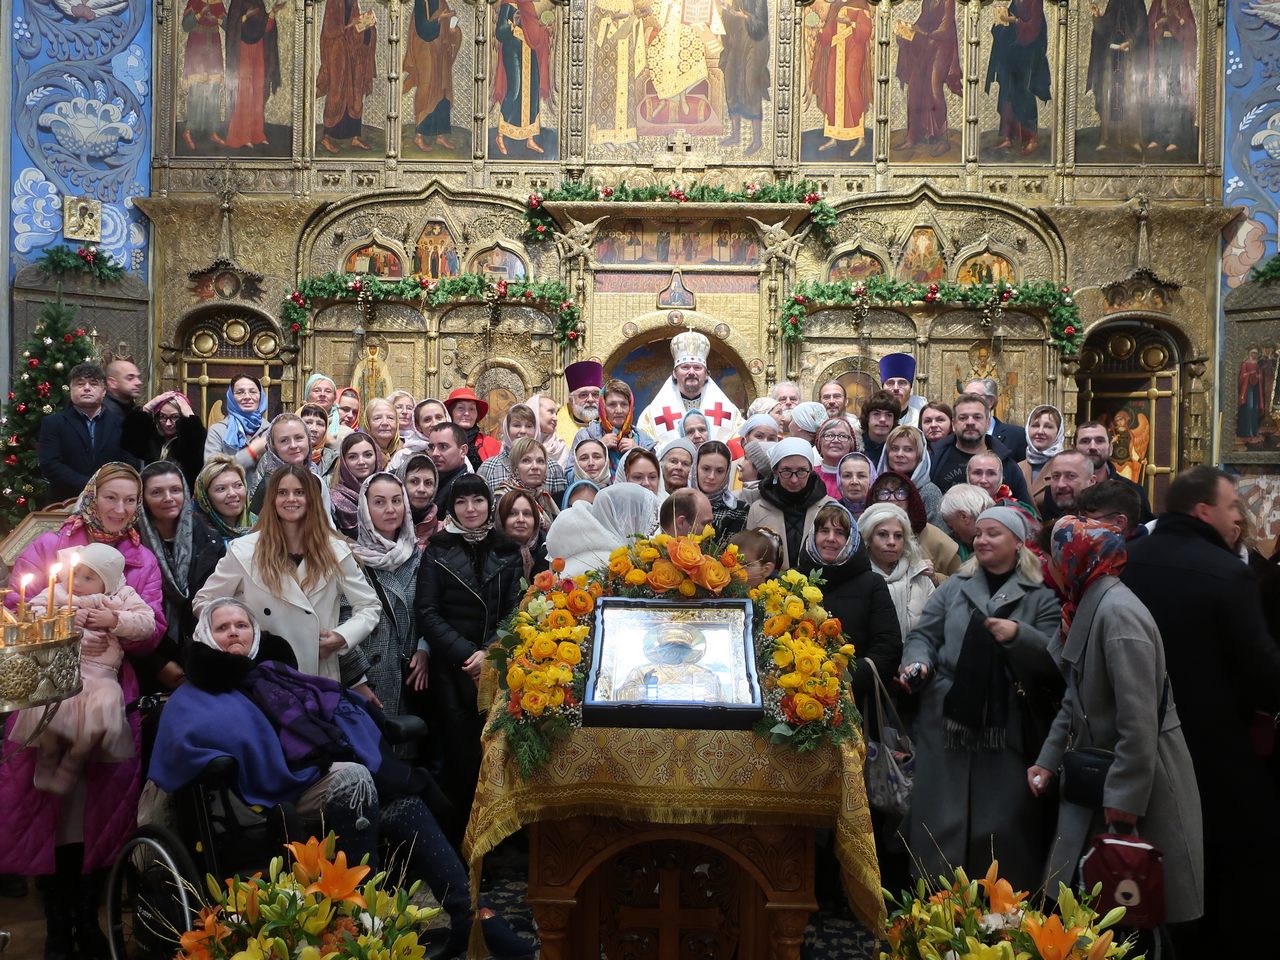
point(967, 804)
point(1114, 660)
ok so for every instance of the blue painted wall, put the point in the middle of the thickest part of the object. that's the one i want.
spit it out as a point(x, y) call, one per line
point(80, 101)
point(1251, 169)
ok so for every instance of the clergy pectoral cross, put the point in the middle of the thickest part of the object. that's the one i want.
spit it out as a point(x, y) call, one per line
point(717, 413)
point(669, 418)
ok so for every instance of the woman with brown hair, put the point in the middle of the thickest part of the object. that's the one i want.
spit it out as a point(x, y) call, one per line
point(359, 458)
point(293, 571)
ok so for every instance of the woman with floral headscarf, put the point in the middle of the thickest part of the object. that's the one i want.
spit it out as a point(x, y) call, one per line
point(468, 582)
point(394, 655)
point(420, 478)
point(1118, 699)
point(69, 842)
point(223, 497)
point(240, 435)
point(615, 426)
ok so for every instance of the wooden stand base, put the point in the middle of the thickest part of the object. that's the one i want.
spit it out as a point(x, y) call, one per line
point(641, 891)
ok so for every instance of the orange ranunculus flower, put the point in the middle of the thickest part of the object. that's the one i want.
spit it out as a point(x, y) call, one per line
point(558, 564)
point(579, 602)
point(559, 619)
point(687, 588)
point(569, 652)
point(543, 648)
point(595, 590)
point(807, 708)
point(805, 630)
point(534, 702)
point(636, 577)
point(545, 580)
point(711, 574)
point(340, 883)
point(620, 566)
point(685, 554)
point(830, 628)
point(777, 626)
point(664, 576)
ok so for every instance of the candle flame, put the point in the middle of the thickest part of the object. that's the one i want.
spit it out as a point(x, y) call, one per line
point(55, 570)
point(75, 559)
point(26, 579)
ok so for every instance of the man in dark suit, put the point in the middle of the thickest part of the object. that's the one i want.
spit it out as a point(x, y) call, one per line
point(76, 441)
point(124, 386)
point(1012, 438)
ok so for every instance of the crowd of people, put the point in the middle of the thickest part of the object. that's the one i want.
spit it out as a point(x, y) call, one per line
point(1016, 592)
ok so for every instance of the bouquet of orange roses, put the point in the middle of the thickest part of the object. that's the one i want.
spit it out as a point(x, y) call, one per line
point(804, 660)
point(693, 567)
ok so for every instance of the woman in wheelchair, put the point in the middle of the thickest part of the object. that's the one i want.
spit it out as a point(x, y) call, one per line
point(304, 740)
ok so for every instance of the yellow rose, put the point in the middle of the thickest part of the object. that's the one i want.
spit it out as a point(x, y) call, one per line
point(830, 668)
point(515, 678)
point(648, 555)
point(570, 653)
point(782, 657)
point(790, 680)
point(664, 576)
point(618, 553)
point(620, 566)
point(537, 680)
point(636, 577)
point(793, 608)
point(533, 702)
point(793, 576)
point(685, 554)
point(812, 594)
point(712, 574)
point(687, 588)
point(543, 648)
point(848, 650)
point(806, 664)
point(807, 708)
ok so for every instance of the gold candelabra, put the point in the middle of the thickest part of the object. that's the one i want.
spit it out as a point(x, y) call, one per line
point(40, 646)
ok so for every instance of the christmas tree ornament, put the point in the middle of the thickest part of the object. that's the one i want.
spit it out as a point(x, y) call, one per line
point(58, 366)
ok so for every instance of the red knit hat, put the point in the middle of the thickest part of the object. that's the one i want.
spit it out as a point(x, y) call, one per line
point(466, 393)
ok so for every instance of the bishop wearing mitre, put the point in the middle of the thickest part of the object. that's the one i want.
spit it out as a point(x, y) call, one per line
point(689, 388)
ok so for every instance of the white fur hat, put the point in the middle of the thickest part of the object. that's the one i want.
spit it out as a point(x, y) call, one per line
point(107, 562)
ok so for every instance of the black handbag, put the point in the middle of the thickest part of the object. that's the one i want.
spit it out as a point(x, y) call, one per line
point(1084, 771)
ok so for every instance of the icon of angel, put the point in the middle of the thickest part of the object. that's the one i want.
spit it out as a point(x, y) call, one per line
point(1130, 436)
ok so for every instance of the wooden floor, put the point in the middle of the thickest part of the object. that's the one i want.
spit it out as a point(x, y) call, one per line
point(24, 919)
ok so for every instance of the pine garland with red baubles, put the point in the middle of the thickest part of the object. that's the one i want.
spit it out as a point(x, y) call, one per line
point(39, 384)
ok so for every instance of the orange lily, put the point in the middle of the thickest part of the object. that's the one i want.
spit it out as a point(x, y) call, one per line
point(1100, 946)
point(194, 942)
point(337, 882)
point(308, 858)
point(243, 897)
point(1000, 891)
point(1052, 941)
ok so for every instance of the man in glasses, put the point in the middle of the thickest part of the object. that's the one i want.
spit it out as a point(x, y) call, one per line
point(585, 380)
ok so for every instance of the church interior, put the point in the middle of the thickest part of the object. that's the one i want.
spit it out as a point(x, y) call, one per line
point(811, 185)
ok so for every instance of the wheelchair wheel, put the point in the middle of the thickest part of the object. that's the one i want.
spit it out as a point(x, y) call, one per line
point(151, 897)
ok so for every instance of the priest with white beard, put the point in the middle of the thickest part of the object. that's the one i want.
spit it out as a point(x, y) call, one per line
point(689, 388)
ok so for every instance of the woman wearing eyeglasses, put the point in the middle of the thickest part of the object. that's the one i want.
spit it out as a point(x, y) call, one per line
point(166, 428)
point(834, 441)
point(790, 498)
point(941, 550)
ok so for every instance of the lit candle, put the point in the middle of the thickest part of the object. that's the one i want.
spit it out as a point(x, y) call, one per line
point(71, 578)
point(53, 578)
point(22, 595)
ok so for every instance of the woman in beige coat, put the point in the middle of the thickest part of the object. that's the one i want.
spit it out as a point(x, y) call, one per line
point(293, 571)
point(1118, 698)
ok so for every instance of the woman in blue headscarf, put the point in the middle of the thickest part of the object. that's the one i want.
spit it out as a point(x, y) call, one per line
point(242, 435)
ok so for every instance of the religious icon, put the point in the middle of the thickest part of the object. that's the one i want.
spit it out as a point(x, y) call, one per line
point(370, 374)
point(1130, 435)
point(984, 365)
point(928, 69)
point(1250, 403)
point(1171, 39)
point(435, 254)
point(676, 294)
point(348, 41)
point(433, 42)
point(681, 40)
point(522, 80)
point(745, 62)
point(203, 73)
point(922, 261)
point(1018, 65)
point(987, 268)
point(499, 264)
point(82, 219)
point(618, 44)
point(854, 265)
point(252, 72)
point(375, 259)
point(839, 80)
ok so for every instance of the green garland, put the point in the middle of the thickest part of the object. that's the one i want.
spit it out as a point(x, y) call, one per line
point(539, 225)
point(62, 260)
point(1066, 330)
point(1269, 272)
point(295, 309)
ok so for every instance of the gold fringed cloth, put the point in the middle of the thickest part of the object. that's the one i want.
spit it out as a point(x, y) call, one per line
point(686, 777)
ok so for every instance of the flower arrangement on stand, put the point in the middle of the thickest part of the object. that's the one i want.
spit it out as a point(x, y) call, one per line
point(317, 909)
point(963, 919)
point(804, 660)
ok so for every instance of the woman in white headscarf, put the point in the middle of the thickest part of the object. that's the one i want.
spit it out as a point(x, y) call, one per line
point(394, 655)
point(585, 534)
point(1046, 434)
point(906, 453)
point(545, 410)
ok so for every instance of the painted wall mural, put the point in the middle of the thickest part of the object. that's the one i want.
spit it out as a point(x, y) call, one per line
point(81, 99)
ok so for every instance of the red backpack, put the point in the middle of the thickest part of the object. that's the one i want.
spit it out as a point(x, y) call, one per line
point(1131, 872)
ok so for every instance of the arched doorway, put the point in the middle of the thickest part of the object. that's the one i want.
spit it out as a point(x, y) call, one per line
point(1130, 380)
point(644, 362)
point(222, 342)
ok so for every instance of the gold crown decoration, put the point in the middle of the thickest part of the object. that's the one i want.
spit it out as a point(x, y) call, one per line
point(690, 347)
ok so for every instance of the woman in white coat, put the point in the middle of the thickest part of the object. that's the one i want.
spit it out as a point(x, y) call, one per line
point(896, 555)
point(293, 571)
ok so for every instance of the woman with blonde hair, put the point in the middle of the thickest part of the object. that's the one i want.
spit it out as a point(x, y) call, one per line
point(223, 497)
point(896, 555)
point(296, 570)
point(527, 461)
point(906, 453)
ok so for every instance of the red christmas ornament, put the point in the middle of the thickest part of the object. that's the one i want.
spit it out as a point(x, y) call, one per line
point(933, 288)
point(534, 202)
point(1004, 297)
point(13, 440)
point(502, 288)
point(295, 327)
point(540, 228)
point(1066, 289)
point(565, 304)
point(33, 362)
point(22, 408)
point(43, 389)
point(67, 338)
point(812, 197)
point(572, 334)
point(801, 299)
point(80, 332)
point(12, 395)
point(528, 294)
point(11, 460)
point(606, 191)
point(1069, 330)
point(21, 501)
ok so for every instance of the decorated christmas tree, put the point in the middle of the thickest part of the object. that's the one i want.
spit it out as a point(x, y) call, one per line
point(40, 381)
